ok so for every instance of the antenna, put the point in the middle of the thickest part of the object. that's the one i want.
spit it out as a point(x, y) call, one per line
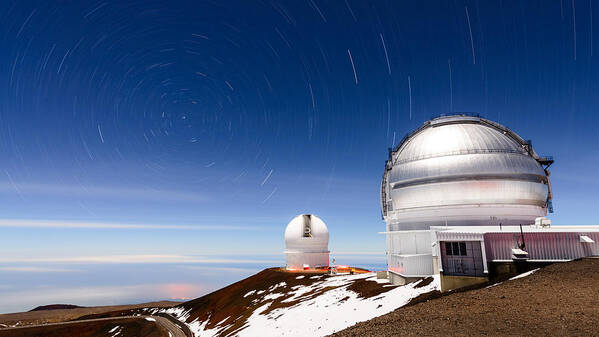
point(521, 243)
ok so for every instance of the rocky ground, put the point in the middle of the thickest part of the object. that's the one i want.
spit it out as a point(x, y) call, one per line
point(61, 315)
point(558, 300)
point(122, 327)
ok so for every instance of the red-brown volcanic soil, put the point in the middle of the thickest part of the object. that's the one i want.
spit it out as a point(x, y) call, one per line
point(129, 327)
point(232, 305)
point(62, 315)
point(558, 300)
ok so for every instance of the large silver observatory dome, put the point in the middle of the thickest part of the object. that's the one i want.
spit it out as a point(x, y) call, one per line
point(463, 170)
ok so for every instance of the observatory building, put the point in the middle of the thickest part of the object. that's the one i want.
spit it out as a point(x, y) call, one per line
point(306, 243)
point(454, 194)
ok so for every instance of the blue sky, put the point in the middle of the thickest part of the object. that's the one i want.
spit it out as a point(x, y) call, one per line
point(134, 132)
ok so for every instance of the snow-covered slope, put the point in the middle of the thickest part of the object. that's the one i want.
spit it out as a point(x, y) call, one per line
point(276, 303)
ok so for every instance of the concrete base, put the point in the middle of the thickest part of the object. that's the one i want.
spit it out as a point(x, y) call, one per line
point(399, 280)
point(455, 282)
point(436, 265)
point(382, 274)
point(499, 269)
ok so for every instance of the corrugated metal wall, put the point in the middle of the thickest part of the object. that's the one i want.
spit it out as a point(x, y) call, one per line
point(548, 246)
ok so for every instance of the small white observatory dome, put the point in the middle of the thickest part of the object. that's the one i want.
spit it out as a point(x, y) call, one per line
point(306, 243)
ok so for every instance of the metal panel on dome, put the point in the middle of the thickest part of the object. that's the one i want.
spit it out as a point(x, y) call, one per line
point(468, 164)
point(456, 139)
point(454, 119)
point(470, 192)
point(463, 161)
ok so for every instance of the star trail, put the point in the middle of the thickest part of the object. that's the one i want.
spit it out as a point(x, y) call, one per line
point(233, 117)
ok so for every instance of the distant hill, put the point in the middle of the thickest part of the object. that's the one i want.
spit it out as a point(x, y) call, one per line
point(274, 302)
point(279, 303)
point(62, 315)
point(55, 306)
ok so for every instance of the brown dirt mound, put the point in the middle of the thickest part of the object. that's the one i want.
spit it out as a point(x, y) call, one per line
point(130, 327)
point(55, 306)
point(558, 300)
point(235, 303)
point(62, 315)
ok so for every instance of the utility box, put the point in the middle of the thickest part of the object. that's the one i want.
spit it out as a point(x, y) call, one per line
point(542, 222)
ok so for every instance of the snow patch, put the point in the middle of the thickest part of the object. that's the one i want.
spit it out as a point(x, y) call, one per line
point(322, 313)
point(331, 311)
point(278, 285)
point(493, 285)
point(323, 307)
point(198, 328)
point(150, 319)
point(528, 273)
point(273, 296)
point(116, 330)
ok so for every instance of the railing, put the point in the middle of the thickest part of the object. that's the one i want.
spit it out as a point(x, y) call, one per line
point(458, 152)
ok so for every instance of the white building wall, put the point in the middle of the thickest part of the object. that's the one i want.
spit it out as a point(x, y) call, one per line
point(409, 253)
point(313, 260)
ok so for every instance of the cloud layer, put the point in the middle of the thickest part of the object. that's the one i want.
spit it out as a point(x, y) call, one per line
point(137, 259)
point(29, 223)
point(12, 301)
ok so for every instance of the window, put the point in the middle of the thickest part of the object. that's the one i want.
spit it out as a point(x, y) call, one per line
point(463, 258)
point(456, 249)
point(463, 248)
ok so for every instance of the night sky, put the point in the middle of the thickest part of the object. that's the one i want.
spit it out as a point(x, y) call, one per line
point(149, 144)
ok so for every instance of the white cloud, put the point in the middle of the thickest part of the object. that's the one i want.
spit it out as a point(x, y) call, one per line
point(11, 301)
point(147, 258)
point(30, 269)
point(29, 223)
point(225, 269)
point(140, 193)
